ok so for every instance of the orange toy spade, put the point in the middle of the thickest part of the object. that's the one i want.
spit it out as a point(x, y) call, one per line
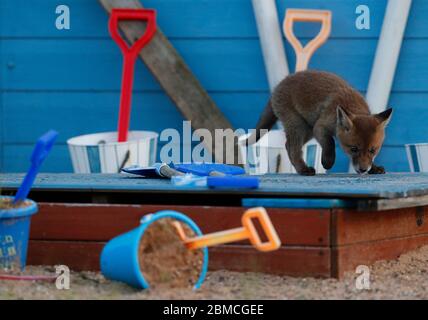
point(247, 231)
point(304, 54)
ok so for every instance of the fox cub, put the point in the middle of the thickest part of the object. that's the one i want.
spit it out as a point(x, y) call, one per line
point(322, 105)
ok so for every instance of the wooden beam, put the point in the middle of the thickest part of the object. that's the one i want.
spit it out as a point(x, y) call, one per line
point(178, 81)
point(347, 258)
point(389, 204)
point(97, 222)
point(293, 261)
point(351, 227)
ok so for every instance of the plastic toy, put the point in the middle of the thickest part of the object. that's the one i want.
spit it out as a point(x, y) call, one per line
point(209, 169)
point(216, 182)
point(130, 56)
point(214, 175)
point(120, 256)
point(14, 234)
point(210, 175)
point(40, 152)
point(199, 169)
point(15, 220)
point(161, 170)
point(304, 54)
point(248, 231)
point(120, 259)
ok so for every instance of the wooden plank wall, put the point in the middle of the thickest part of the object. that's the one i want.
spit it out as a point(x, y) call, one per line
point(70, 79)
point(74, 235)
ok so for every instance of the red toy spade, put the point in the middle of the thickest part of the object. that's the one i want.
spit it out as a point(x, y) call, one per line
point(130, 56)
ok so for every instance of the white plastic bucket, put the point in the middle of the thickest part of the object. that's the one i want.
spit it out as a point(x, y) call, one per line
point(101, 153)
point(417, 155)
point(269, 155)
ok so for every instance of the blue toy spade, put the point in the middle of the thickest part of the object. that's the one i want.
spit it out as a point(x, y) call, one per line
point(212, 175)
point(16, 221)
point(40, 152)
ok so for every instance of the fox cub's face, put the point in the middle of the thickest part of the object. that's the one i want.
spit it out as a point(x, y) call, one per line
point(361, 137)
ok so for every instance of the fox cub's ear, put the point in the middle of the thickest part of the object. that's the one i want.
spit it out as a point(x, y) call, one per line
point(343, 119)
point(384, 117)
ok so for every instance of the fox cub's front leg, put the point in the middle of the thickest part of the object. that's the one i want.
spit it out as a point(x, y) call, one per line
point(377, 169)
point(294, 150)
point(328, 146)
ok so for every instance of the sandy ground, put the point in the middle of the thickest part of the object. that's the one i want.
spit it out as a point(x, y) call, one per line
point(404, 278)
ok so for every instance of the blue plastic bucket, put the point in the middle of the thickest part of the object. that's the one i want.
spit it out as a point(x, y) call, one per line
point(119, 258)
point(14, 234)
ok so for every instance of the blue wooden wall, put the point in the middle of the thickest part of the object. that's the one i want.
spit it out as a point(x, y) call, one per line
point(70, 79)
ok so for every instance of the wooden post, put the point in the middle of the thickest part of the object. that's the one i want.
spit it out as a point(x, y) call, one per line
point(178, 81)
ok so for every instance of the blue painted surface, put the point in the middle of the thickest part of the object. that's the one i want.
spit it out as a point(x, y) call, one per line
point(72, 78)
point(337, 186)
point(298, 203)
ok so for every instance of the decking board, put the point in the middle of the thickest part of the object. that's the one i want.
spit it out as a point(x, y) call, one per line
point(371, 187)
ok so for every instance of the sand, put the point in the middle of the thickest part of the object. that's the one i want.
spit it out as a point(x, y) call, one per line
point(165, 261)
point(404, 278)
point(6, 203)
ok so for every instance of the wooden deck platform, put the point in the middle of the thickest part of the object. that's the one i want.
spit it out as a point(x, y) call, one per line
point(328, 224)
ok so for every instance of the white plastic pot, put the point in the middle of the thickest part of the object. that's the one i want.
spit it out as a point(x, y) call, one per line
point(101, 153)
point(269, 155)
point(417, 155)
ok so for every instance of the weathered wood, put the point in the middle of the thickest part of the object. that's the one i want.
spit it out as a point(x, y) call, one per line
point(338, 186)
point(97, 222)
point(351, 227)
point(79, 256)
point(74, 234)
point(287, 261)
point(347, 258)
point(177, 80)
point(388, 204)
point(292, 261)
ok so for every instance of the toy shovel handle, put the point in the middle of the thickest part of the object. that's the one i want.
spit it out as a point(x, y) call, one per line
point(273, 242)
point(130, 55)
point(43, 147)
point(148, 15)
point(304, 54)
point(41, 150)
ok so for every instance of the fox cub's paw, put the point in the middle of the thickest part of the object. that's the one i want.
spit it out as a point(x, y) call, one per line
point(308, 171)
point(377, 170)
point(327, 162)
